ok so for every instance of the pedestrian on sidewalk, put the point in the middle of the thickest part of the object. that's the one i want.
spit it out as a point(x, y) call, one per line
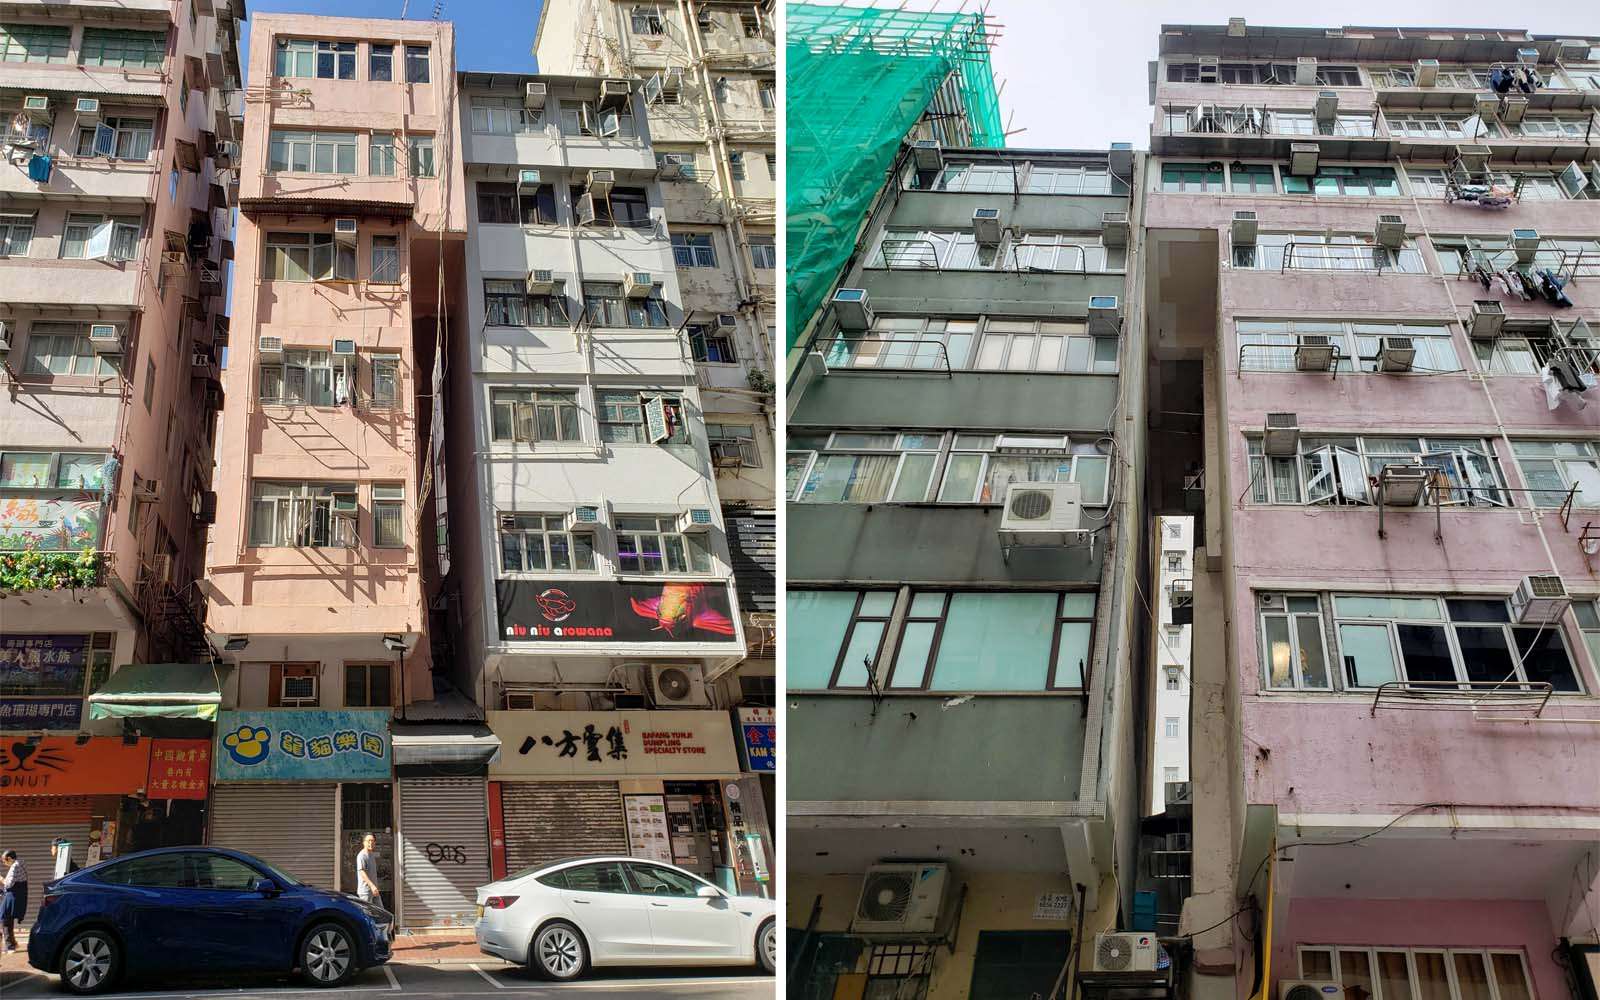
point(14, 905)
point(367, 872)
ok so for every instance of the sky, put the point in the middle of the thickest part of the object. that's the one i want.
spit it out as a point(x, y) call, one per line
point(1076, 81)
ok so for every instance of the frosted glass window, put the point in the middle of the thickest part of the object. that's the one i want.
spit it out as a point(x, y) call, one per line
point(995, 642)
point(817, 622)
point(1368, 655)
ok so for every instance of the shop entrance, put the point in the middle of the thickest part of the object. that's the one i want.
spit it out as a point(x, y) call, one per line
point(363, 809)
point(151, 823)
point(697, 827)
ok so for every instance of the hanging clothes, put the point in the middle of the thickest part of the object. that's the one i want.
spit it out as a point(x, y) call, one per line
point(1551, 286)
point(1499, 80)
point(1530, 288)
point(1482, 277)
point(39, 168)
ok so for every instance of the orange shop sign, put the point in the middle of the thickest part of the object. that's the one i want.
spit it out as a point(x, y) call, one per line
point(60, 765)
point(179, 769)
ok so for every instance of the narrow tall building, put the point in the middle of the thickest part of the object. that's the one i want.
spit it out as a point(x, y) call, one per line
point(1371, 272)
point(117, 143)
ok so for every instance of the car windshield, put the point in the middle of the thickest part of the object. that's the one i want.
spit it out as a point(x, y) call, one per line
point(279, 875)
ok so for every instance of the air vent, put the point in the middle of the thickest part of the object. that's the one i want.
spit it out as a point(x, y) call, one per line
point(853, 309)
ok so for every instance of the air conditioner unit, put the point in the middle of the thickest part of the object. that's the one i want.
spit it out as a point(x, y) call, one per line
point(1488, 316)
point(1244, 228)
point(174, 262)
point(541, 281)
point(269, 345)
point(1396, 354)
point(1309, 989)
point(528, 178)
point(1315, 353)
point(672, 81)
point(1105, 316)
point(1042, 513)
point(727, 321)
point(1427, 72)
point(986, 226)
point(901, 898)
point(35, 105)
point(637, 284)
point(533, 95)
point(927, 155)
point(344, 230)
point(1208, 69)
point(227, 154)
point(1404, 485)
point(1305, 71)
point(1236, 27)
point(205, 508)
point(105, 338)
point(1572, 49)
point(87, 110)
point(1269, 602)
point(1114, 229)
point(679, 685)
point(344, 348)
point(1327, 107)
point(344, 504)
point(199, 359)
point(1390, 231)
point(1124, 951)
point(1526, 244)
point(1303, 158)
point(1486, 105)
point(586, 518)
point(146, 490)
point(1528, 57)
point(1119, 159)
point(600, 182)
point(1513, 109)
point(1539, 599)
point(727, 455)
point(1281, 436)
point(853, 309)
point(695, 521)
point(613, 94)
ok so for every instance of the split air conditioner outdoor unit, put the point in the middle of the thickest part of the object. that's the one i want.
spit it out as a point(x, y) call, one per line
point(344, 230)
point(600, 182)
point(1307, 989)
point(344, 348)
point(986, 226)
point(105, 338)
point(853, 309)
point(1303, 158)
point(1305, 71)
point(679, 685)
point(901, 898)
point(1513, 109)
point(88, 110)
point(1526, 243)
point(586, 518)
point(1281, 436)
point(1488, 316)
point(1486, 105)
point(1396, 354)
point(1105, 316)
point(613, 94)
point(1114, 229)
point(1315, 353)
point(1404, 485)
point(1124, 951)
point(1539, 599)
point(533, 95)
point(1390, 231)
point(1427, 72)
point(269, 346)
point(927, 155)
point(695, 520)
point(541, 282)
point(1244, 228)
point(1041, 514)
point(637, 284)
point(1327, 107)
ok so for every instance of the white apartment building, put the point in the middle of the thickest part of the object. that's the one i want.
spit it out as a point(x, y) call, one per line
point(1174, 575)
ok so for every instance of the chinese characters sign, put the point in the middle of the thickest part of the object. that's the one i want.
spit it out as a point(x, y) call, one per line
point(60, 765)
point(758, 739)
point(302, 745)
point(61, 523)
point(581, 744)
point(179, 769)
point(40, 713)
point(43, 664)
point(608, 611)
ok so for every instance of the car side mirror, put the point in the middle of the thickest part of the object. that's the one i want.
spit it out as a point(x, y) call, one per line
point(707, 892)
point(266, 886)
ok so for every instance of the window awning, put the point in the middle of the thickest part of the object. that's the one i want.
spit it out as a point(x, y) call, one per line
point(444, 743)
point(159, 690)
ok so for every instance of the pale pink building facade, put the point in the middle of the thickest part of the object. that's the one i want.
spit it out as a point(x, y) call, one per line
point(1395, 755)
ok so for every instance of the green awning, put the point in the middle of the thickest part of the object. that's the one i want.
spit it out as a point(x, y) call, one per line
point(161, 690)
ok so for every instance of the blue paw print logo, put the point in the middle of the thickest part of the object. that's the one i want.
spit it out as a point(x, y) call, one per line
point(248, 745)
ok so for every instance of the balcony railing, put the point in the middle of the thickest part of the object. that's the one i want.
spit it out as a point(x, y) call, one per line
point(872, 352)
point(1527, 697)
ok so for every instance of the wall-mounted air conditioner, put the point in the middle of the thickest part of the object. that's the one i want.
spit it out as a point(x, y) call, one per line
point(1281, 436)
point(1486, 104)
point(1396, 354)
point(269, 346)
point(227, 154)
point(1539, 599)
point(613, 94)
point(541, 281)
point(1528, 57)
point(679, 685)
point(1486, 320)
point(1309, 989)
point(986, 226)
point(1303, 158)
point(1404, 485)
point(600, 182)
point(1236, 27)
point(586, 518)
point(87, 110)
point(1390, 231)
point(1572, 49)
point(1244, 228)
point(1526, 244)
point(926, 154)
point(853, 309)
point(35, 105)
point(105, 338)
point(901, 898)
point(1041, 513)
point(1208, 70)
point(695, 521)
point(146, 490)
point(1513, 109)
point(727, 321)
point(1124, 951)
point(343, 347)
point(528, 178)
point(1105, 316)
point(638, 284)
point(344, 230)
point(1305, 71)
point(1326, 108)
point(1314, 353)
point(1427, 72)
point(1114, 229)
point(533, 95)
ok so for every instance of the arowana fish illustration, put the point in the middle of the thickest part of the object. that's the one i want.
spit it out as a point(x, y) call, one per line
point(681, 607)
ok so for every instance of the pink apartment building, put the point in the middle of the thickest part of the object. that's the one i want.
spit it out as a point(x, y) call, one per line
point(1373, 269)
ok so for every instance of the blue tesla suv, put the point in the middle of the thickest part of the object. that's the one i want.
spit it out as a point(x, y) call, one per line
point(200, 911)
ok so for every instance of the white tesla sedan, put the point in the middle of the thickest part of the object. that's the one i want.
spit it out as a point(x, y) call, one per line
point(562, 918)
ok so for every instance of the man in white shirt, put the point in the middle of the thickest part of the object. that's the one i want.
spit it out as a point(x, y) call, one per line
point(14, 904)
point(367, 871)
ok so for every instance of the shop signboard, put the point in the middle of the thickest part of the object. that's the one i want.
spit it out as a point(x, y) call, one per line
point(604, 744)
point(290, 744)
point(40, 713)
point(614, 611)
point(179, 769)
point(64, 765)
point(37, 665)
point(758, 739)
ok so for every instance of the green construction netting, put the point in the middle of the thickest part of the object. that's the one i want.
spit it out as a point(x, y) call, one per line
point(858, 79)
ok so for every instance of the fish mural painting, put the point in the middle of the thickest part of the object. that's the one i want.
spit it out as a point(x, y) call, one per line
point(599, 611)
point(682, 607)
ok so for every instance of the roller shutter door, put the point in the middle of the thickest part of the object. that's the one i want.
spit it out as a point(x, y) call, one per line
point(288, 826)
point(444, 849)
point(547, 821)
point(28, 828)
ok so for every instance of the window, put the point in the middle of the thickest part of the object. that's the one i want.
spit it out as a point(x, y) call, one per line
point(763, 253)
point(536, 543)
point(312, 152)
point(215, 871)
point(419, 153)
point(736, 166)
point(507, 303)
point(632, 417)
point(1292, 640)
point(534, 415)
point(157, 871)
point(95, 237)
point(1552, 127)
point(34, 43)
point(1017, 963)
point(1354, 182)
point(385, 381)
point(1424, 125)
point(1171, 727)
point(750, 24)
point(386, 260)
point(1082, 252)
point(380, 155)
point(849, 467)
point(304, 515)
point(602, 877)
point(844, 631)
point(767, 94)
point(627, 208)
point(993, 177)
point(416, 64)
point(1553, 469)
point(981, 466)
point(388, 516)
point(1061, 179)
point(1306, 123)
point(579, 118)
point(1174, 562)
point(605, 305)
point(497, 203)
point(117, 138)
point(653, 545)
point(741, 436)
point(303, 378)
point(1270, 345)
point(309, 257)
point(1174, 680)
point(1421, 973)
point(710, 345)
point(43, 470)
point(694, 250)
point(16, 232)
point(1044, 346)
point(1252, 178)
point(367, 685)
point(1462, 255)
point(1344, 470)
point(653, 880)
point(1191, 178)
point(1587, 614)
point(303, 57)
point(380, 62)
point(127, 49)
point(906, 342)
point(719, 88)
point(501, 116)
point(933, 249)
point(1001, 641)
point(646, 21)
point(1326, 252)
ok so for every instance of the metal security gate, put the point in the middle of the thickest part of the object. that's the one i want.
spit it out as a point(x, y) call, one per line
point(444, 850)
point(288, 826)
point(27, 826)
point(547, 821)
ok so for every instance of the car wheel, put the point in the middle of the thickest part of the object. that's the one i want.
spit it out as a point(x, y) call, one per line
point(327, 955)
point(558, 952)
point(767, 947)
point(90, 962)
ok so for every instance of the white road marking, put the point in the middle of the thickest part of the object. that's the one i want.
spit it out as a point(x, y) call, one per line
point(489, 979)
point(394, 984)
